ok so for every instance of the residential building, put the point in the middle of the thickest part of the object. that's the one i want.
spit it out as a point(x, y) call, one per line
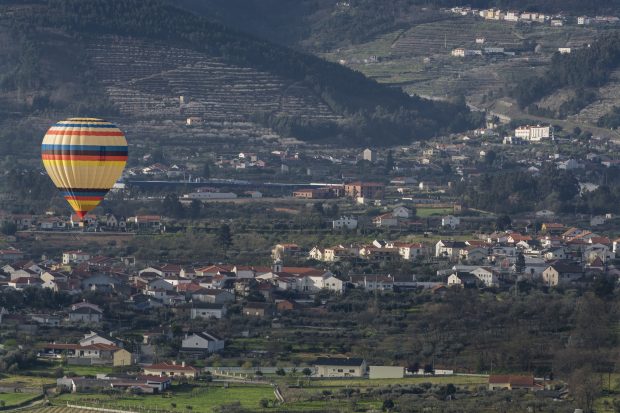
point(385, 220)
point(370, 190)
point(122, 358)
point(345, 222)
point(512, 382)
point(448, 249)
point(372, 282)
point(561, 272)
point(369, 155)
point(533, 133)
point(171, 370)
point(462, 279)
point(340, 367)
point(207, 310)
point(450, 221)
point(203, 342)
point(75, 257)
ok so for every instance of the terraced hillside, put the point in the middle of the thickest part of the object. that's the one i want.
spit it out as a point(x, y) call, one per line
point(417, 58)
point(150, 80)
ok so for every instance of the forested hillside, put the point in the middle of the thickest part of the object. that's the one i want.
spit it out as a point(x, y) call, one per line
point(363, 107)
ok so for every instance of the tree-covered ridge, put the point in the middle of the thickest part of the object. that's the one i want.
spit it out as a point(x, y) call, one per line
point(347, 92)
point(587, 67)
point(553, 189)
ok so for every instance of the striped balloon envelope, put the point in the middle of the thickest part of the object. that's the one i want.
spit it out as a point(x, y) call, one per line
point(84, 157)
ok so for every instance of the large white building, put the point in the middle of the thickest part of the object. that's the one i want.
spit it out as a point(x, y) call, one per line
point(533, 133)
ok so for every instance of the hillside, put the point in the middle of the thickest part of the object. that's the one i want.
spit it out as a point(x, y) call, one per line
point(318, 25)
point(135, 59)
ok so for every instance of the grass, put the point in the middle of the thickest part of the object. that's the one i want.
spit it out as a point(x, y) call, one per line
point(49, 367)
point(427, 212)
point(15, 398)
point(200, 398)
point(456, 380)
point(25, 381)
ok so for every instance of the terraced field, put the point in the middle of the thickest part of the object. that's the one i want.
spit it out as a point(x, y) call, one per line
point(157, 81)
point(417, 58)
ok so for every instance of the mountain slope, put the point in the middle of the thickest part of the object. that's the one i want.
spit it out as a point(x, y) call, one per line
point(319, 25)
point(163, 52)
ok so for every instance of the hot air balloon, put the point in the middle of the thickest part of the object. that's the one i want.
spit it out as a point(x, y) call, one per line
point(84, 157)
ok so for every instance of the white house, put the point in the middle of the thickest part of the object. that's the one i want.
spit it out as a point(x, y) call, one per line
point(344, 222)
point(450, 221)
point(207, 310)
point(75, 257)
point(369, 155)
point(488, 276)
point(408, 250)
point(448, 249)
point(96, 338)
point(533, 133)
point(385, 220)
point(203, 342)
point(401, 212)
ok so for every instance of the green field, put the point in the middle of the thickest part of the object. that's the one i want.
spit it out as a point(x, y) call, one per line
point(26, 381)
point(15, 398)
point(427, 212)
point(200, 398)
point(49, 367)
point(456, 380)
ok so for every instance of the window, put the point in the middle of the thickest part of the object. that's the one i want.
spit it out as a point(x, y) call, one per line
point(340, 370)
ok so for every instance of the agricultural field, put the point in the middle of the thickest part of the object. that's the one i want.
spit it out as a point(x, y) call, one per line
point(202, 399)
point(10, 399)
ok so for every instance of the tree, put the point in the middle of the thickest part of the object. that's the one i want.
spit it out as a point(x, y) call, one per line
point(520, 263)
point(263, 403)
point(503, 222)
point(280, 372)
point(224, 236)
point(388, 405)
point(585, 386)
point(195, 208)
point(172, 206)
point(389, 162)
point(318, 208)
point(306, 372)
point(490, 157)
point(8, 228)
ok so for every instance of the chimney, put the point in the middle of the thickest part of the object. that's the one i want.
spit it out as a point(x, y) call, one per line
point(183, 364)
point(174, 362)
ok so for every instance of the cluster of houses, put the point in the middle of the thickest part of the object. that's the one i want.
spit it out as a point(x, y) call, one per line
point(91, 222)
point(515, 16)
point(559, 256)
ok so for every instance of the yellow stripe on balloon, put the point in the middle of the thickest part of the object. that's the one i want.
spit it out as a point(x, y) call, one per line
point(85, 140)
point(82, 163)
point(79, 205)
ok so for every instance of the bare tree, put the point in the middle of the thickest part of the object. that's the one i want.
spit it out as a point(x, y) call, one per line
point(585, 386)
